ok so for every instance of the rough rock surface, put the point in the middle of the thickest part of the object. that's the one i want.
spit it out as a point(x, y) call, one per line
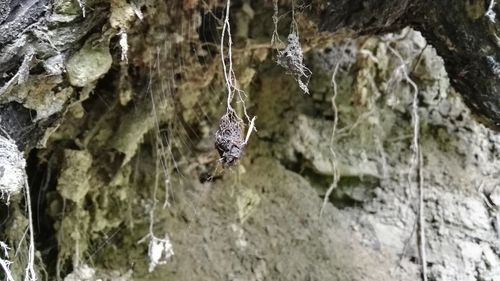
point(132, 155)
point(261, 222)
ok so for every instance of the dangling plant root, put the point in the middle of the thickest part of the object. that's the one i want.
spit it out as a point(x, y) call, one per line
point(416, 167)
point(229, 140)
point(335, 171)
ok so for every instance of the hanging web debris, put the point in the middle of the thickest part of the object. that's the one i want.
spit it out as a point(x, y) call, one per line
point(229, 140)
point(292, 60)
point(159, 251)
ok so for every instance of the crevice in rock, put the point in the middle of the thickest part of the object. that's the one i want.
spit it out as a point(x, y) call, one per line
point(351, 191)
point(42, 177)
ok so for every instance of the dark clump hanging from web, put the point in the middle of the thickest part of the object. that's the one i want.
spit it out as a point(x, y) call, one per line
point(229, 140)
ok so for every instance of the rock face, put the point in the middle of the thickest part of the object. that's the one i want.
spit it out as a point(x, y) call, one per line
point(377, 190)
point(126, 173)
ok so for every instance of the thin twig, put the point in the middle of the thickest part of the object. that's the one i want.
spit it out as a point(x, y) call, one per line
point(490, 14)
point(250, 129)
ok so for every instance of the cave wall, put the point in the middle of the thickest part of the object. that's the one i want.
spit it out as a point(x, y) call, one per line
point(124, 158)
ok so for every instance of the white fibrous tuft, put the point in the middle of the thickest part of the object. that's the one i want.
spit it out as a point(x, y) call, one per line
point(12, 168)
point(160, 250)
